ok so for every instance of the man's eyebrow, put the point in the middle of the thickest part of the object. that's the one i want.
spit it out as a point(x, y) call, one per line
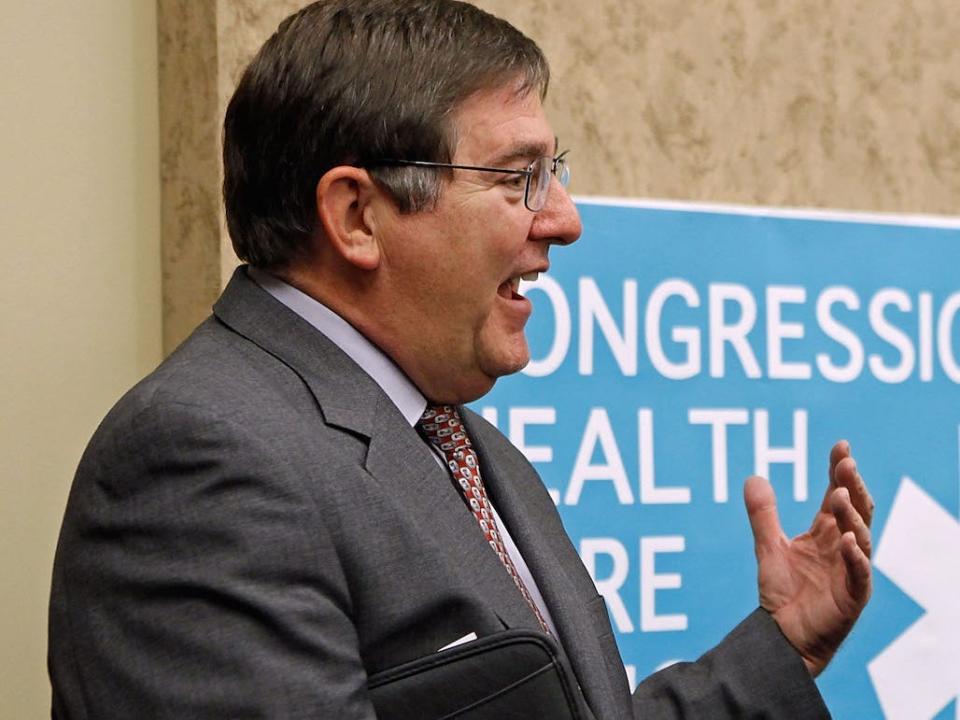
point(524, 152)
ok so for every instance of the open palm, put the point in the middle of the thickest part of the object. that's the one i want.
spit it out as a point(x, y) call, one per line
point(816, 584)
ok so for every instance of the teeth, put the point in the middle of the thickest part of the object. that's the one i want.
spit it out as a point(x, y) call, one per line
point(514, 282)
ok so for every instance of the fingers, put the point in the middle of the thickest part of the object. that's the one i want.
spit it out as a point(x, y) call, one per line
point(839, 451)
point(858, 569)
point(847, 476)
point(849, 520)
point(762, 510)
point(843, 473)
point(855, 545)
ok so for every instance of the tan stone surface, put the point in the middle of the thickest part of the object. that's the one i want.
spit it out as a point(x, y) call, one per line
point(242, 27)
point(190, 163)
point(840, 104)
point(849, 104)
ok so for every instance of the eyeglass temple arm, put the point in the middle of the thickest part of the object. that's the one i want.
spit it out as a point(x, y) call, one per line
point(452, 166)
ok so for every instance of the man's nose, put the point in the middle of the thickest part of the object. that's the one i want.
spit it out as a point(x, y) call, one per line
point(558, 222)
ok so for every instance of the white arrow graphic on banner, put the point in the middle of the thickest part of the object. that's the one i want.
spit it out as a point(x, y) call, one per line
point(918, 674)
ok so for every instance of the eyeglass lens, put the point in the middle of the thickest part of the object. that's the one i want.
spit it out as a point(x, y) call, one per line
point(539, 180)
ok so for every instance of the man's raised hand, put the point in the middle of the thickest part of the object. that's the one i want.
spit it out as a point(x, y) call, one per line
point(816, 584)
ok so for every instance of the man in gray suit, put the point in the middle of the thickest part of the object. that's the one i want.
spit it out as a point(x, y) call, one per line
point(260, 524)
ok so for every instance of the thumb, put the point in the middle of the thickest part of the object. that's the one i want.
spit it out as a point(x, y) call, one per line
point(761, 505)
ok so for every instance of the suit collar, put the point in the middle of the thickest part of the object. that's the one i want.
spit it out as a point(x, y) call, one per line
point(362, 351)
point(348, 397)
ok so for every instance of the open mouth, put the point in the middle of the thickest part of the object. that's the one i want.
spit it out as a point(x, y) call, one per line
point(510, 289)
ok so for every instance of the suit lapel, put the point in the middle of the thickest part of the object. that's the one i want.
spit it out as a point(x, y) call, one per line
point(505, 479)
point(396, 455)
point(400, 457)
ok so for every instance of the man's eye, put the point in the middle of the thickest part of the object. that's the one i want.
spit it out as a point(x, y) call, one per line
point(516, 182)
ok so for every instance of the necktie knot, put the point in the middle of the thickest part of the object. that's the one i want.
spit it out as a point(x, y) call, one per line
point(442, 426)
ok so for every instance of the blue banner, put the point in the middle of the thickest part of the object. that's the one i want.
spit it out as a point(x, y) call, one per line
point(678, 349)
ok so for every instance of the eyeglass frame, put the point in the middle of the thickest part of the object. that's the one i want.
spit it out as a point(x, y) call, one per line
point(559, 160)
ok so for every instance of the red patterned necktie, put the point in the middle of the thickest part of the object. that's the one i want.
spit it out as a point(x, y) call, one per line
point(442, 427)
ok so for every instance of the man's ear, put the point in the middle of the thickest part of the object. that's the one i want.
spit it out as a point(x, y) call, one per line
point(344, 196)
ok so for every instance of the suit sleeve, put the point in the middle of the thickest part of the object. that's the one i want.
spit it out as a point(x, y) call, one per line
point(195, 578)
point(753, 673)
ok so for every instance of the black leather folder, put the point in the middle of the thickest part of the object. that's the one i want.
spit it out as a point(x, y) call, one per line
point(513, 675)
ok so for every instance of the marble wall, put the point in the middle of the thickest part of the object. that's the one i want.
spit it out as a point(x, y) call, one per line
point(850, 104)
point(190, 121)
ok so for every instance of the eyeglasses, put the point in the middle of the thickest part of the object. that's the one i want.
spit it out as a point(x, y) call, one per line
point(537, 175)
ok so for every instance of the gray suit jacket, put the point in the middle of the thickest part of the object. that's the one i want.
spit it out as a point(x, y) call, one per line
point(254, 529)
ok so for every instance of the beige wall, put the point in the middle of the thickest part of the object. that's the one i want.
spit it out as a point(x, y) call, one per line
point(80, 307)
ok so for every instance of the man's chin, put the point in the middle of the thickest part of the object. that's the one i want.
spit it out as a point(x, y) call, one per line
point(508, 363)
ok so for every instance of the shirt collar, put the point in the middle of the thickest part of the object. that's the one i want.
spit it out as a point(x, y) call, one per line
point(404, 394)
